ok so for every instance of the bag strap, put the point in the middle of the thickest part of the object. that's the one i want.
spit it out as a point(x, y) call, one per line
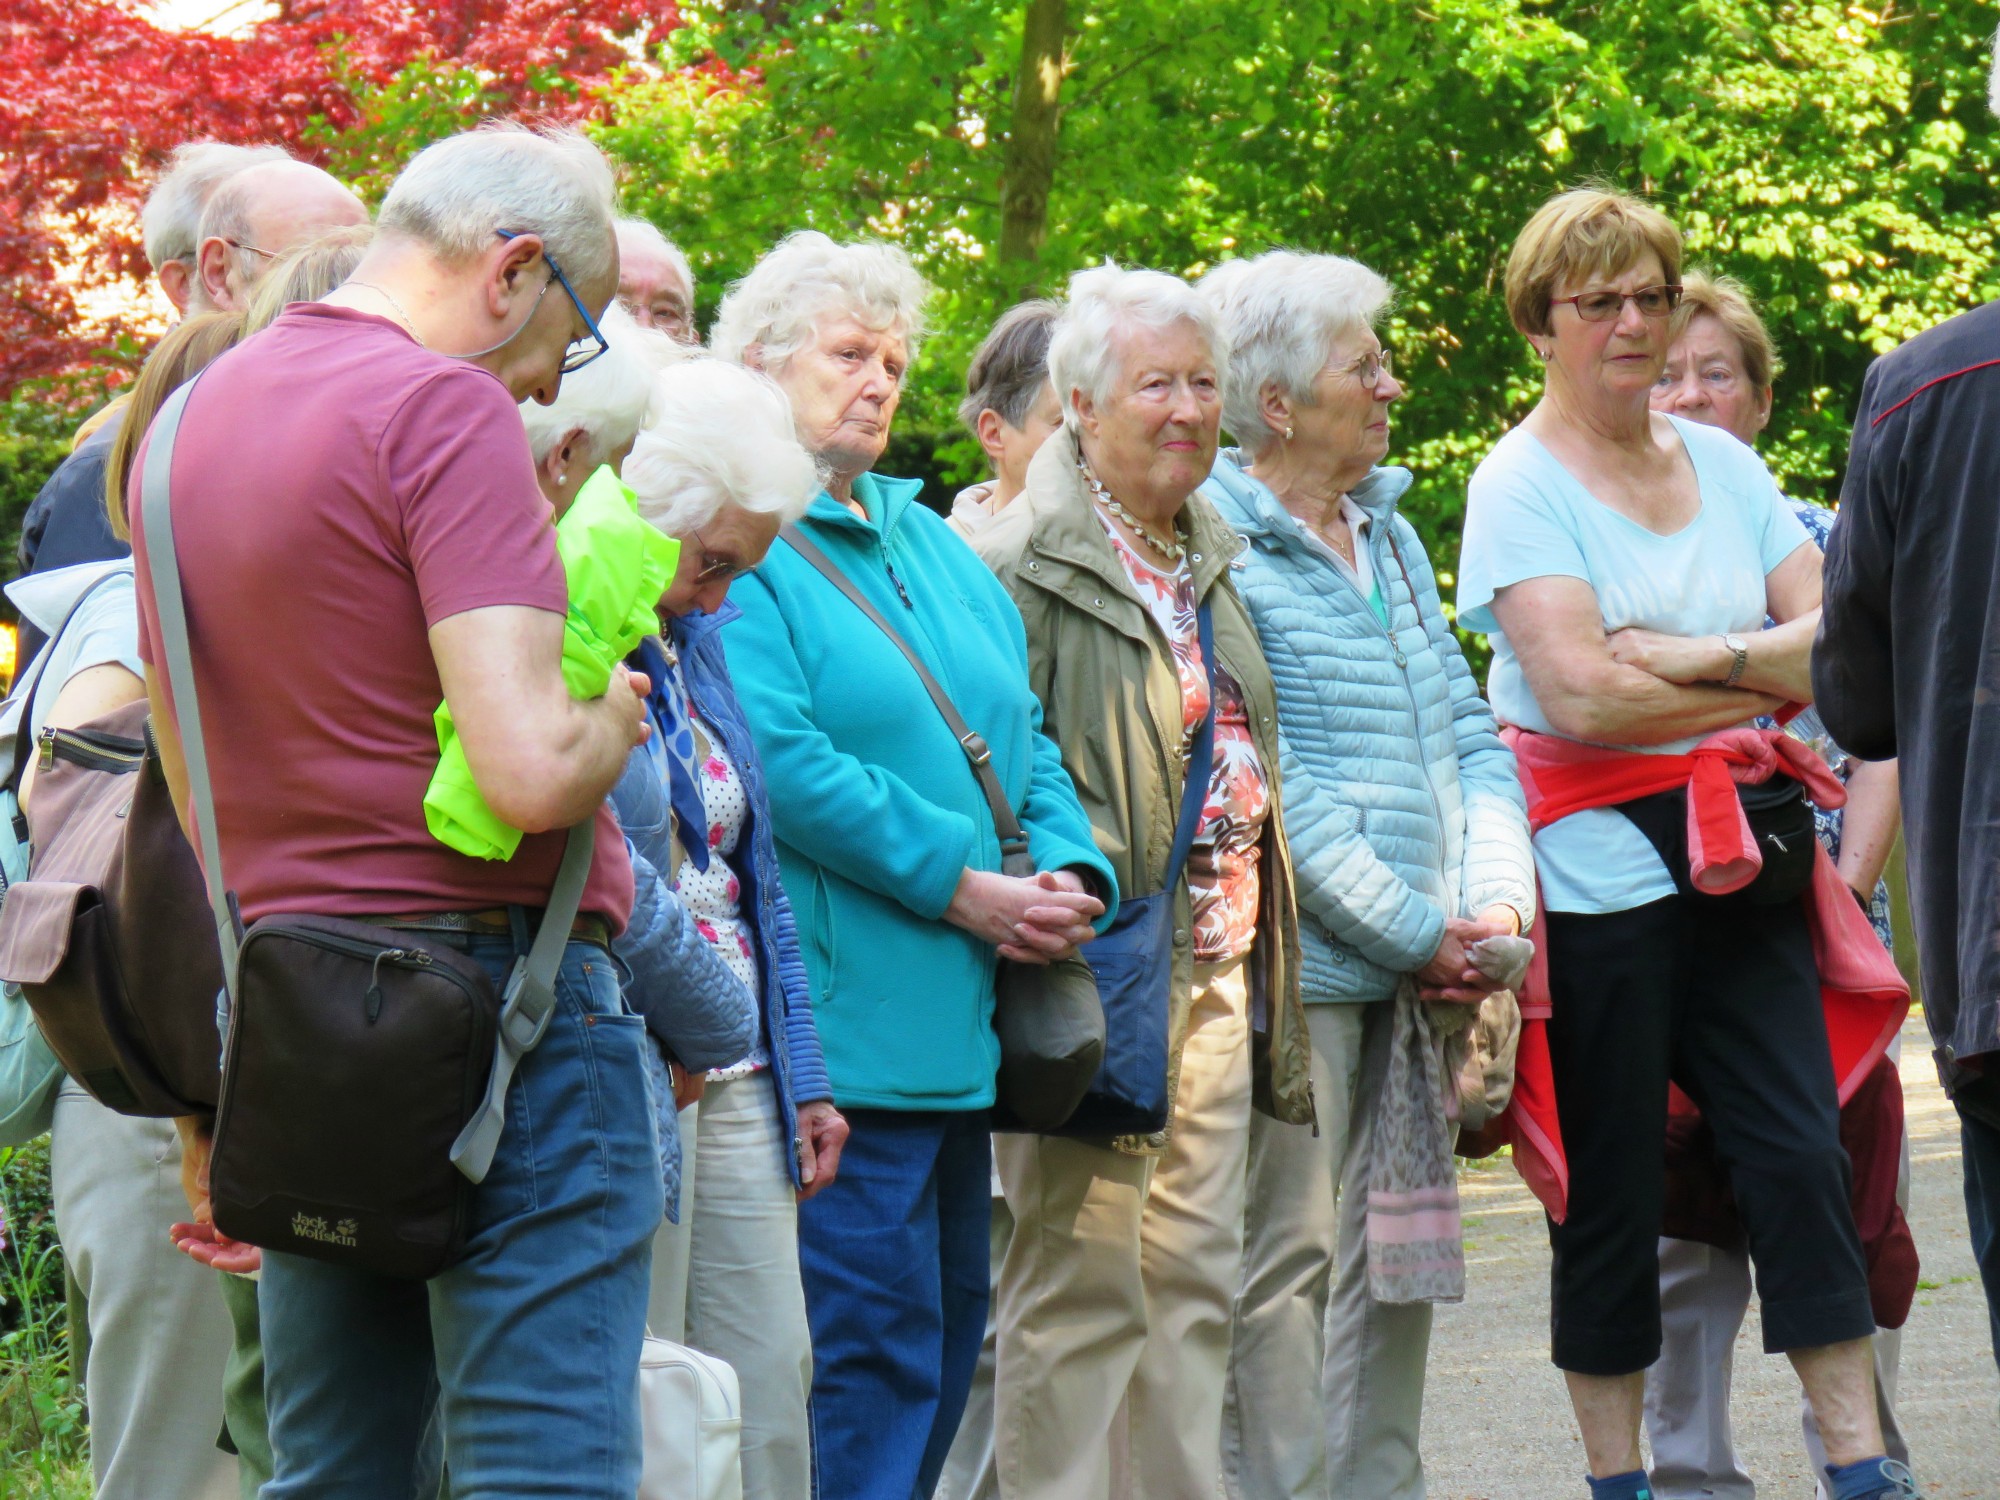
point(527, 1001)
point(1015, 859)
point(1201, 760)
point(24, 730)
point(156, 512)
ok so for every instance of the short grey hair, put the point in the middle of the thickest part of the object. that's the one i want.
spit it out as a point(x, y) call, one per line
point(455, 195)
point(722, 436)
point(805, 276)
point(1283, 312)
point(610, 398)
point(1105, 300)
point(170, 223)
point(649, 235)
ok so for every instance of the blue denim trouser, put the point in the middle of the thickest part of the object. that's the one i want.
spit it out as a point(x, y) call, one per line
point(1981, 1163)
point(894, 1260)
point(528, 1347)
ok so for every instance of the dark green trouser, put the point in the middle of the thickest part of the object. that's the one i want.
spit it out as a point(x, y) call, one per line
point(246, 1432)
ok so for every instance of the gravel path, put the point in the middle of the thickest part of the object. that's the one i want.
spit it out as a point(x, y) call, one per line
point(1497, 1423)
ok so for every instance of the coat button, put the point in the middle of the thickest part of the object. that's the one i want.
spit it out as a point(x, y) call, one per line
point(1950, 1053)
point(1180, 935)
point(1098, 602)
point(1194, 557)
point(1034, 567)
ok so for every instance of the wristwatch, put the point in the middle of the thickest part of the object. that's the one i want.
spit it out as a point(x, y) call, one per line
point(1741, 648)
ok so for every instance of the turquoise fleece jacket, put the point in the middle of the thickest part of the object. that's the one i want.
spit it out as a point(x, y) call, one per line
point(876, 810)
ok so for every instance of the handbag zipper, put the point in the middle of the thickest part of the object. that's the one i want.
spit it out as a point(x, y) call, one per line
point(92, 751)
point(410, 958)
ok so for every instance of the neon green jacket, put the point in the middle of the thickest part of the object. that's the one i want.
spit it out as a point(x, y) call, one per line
point(618, 566)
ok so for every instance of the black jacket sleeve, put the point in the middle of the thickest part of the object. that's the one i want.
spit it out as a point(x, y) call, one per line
point(1853, 666)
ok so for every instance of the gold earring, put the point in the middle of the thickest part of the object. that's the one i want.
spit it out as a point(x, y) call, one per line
point(1288, 432)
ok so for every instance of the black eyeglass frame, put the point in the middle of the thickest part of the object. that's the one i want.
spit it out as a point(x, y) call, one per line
point(571, 361)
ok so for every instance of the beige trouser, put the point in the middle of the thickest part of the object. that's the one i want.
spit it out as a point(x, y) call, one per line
point(969, 1472)
point(1326, 1385)
point(730, 1269)
point(159, 1333)
point(1117, 1287)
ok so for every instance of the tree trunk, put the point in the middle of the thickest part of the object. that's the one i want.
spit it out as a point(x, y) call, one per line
point(1029, 171)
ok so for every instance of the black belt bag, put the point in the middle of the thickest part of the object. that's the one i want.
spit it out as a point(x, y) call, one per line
point(365, 1069)
point(1781, 824)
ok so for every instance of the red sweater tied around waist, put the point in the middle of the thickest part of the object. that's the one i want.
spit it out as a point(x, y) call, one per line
point(1865, 998)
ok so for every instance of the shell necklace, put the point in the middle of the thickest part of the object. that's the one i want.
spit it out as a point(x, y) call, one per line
point(1169, 546)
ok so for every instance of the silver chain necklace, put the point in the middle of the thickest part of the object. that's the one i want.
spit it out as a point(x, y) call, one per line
point(401, 316)
point(1171, 547)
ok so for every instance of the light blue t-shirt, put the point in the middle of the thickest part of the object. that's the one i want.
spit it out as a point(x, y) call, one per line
point(1527, 517)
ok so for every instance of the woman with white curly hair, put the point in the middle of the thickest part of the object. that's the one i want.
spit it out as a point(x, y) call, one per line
point(1117, 1285)
point(720, 469)
point(888, 845)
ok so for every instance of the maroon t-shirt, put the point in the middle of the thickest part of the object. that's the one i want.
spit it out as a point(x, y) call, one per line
point(337, 490)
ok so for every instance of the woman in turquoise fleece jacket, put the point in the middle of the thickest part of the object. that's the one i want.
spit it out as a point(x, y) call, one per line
point(888, 852)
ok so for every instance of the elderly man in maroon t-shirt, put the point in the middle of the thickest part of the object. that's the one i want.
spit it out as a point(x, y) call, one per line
point(360, 535)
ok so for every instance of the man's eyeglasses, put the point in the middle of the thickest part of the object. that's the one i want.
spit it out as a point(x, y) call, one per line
point(581, 351)
point(252, 249)
point(1602, 307)
point(715, 569)
point(1370, 368)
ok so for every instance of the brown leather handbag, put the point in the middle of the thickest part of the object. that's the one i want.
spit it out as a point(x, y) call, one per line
point(109, 936)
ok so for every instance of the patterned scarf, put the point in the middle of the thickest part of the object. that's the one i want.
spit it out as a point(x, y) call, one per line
point(1416, 1247)
point(673, 718)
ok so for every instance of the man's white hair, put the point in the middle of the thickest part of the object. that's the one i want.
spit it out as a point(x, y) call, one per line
point(1993, 77)
point(1105, 301)
point(1282, 313)
point(455, 195)
point(170, 223)
point(722, 436)
point(802, 279)
point(648, 234)
point(610, 398)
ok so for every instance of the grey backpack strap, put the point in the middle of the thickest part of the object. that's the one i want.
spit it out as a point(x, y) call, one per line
point(529, 997)
point(527, 1003)
point(1015, 859)
point(157, 518)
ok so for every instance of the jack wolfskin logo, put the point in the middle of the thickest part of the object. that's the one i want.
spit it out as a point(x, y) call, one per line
point(312, 1227)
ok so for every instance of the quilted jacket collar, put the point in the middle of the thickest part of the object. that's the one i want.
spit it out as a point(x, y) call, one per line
point(1259, 513)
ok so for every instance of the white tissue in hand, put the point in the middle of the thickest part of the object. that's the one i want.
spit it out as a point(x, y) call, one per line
point(1503, 959)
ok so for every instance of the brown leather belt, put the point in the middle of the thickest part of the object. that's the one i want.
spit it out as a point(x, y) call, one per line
point(493, 922)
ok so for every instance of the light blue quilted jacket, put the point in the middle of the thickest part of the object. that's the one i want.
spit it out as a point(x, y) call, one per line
point(1401, 804)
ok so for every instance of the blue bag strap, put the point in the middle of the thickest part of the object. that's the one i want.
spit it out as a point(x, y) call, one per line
point(1201, 761)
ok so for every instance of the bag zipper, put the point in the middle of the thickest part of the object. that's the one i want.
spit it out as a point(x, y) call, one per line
point(406, 958)
point(92, 750)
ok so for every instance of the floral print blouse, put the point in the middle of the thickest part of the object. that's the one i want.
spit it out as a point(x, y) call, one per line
point(1223, 877)
point(714, 896)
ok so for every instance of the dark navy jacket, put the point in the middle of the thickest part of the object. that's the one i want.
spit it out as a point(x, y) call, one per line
point(1904, 666)
point(65, 522)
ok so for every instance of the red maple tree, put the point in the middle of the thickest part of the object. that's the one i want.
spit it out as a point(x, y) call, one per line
point(94, 95)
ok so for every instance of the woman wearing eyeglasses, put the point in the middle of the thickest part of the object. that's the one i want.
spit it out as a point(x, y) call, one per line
point(1408, 840)
point(1624, 561)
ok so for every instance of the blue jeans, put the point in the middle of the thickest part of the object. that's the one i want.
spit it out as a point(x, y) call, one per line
point(528, 1347)
point(1981, 1163)
point(894, 1260)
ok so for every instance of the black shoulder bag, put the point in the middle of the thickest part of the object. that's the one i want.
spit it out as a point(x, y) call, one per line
point(365, 1068)
point(1048, 1016)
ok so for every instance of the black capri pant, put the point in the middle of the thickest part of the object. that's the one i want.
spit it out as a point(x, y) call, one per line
point(1721, 997)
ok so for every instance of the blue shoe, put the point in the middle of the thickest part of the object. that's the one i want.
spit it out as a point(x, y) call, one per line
point(1874, 1479)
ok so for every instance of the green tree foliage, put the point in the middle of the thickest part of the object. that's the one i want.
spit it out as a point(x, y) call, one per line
point(1839, 160)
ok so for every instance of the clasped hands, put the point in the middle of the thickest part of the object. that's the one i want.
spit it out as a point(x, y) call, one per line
point(1030, 919)
point(1450, 975)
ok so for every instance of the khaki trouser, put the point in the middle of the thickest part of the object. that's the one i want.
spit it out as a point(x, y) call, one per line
point(159, 1333)
point(1326, 1385)
point(1117, 1287)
